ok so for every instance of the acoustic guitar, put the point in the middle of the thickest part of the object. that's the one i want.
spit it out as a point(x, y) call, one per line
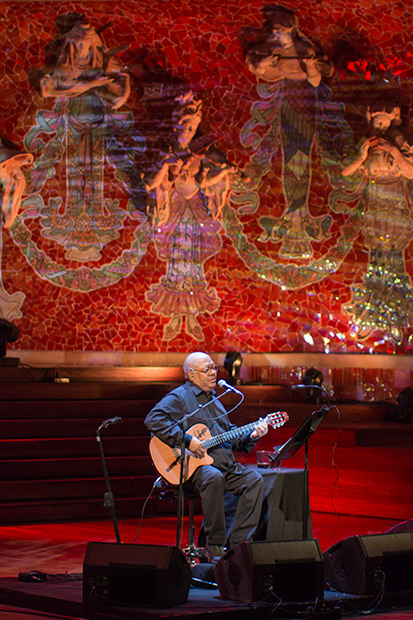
point(167, 460)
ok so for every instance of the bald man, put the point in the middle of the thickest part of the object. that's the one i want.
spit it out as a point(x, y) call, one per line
point(211, 482)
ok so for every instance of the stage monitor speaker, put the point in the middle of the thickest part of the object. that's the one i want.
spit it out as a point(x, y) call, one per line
point(141, 575)
point(403, 526)
point(358, 564)
point(292, 570)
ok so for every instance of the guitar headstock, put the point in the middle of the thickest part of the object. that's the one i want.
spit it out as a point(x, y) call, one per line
point(277, 419)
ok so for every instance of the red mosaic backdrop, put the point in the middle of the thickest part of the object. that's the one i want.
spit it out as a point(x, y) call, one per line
point(263, 301)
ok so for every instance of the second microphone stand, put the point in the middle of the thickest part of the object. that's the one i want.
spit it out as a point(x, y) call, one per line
point(109, 501)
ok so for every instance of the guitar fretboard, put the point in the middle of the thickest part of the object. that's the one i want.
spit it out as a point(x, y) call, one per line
point(232, 434)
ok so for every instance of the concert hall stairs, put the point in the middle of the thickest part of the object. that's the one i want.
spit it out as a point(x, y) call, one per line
point(50, 467)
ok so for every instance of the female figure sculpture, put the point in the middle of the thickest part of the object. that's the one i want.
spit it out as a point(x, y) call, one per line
point(13, 182)
point(382, 171)
point(89, 85)
point(292, 71)
point(190, 192)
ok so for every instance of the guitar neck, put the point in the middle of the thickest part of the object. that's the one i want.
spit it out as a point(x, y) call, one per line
point(235, 433)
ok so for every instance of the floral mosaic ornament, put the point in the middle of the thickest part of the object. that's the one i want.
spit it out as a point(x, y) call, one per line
point(265, 301)
point(290, 275)
point(83, 278)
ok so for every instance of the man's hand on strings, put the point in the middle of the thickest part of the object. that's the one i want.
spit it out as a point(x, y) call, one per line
point(260, 429)
point(197, 448)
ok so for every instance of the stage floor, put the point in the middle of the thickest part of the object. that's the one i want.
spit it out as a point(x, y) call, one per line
point(63, 599)
point(59, 549)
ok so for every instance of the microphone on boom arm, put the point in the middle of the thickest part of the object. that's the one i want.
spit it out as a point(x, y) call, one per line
point(227, 386)
point(311, 397)
point(110, 421)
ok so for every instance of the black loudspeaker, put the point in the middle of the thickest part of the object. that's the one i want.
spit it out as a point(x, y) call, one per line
point(403, 526)
point(293, 570)
point(361, 564)
point(139, 575)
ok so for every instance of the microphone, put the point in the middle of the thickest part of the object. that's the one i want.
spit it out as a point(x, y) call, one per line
point(111, 421)
point(227, 386)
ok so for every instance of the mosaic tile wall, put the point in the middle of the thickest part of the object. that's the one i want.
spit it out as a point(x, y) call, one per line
point(208, 208)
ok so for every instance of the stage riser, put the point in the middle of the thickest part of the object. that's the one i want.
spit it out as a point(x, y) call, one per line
point(73, 425)
point(128, 486)
point(75, 509)
point(76, 446)
point(69, 467)
point(49, 452)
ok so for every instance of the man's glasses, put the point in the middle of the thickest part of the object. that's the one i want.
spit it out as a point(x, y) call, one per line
point(207, 371)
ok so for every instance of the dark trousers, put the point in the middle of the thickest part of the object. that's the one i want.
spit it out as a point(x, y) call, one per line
point(211, 484)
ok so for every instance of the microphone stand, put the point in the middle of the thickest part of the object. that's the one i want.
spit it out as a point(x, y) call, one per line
point(109, 501)
point(181, 423)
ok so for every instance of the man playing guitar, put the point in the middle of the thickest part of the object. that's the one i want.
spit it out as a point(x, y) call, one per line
point(210, 474)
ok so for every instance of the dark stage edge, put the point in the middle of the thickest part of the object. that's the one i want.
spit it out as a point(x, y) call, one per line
point(65, 598)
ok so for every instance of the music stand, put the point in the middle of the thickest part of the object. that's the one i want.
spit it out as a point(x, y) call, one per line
point(291, 447)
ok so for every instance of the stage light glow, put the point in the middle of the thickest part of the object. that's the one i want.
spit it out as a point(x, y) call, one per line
point(309, 339)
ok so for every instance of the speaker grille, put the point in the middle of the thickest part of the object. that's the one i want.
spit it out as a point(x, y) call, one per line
point(363, 564)
point(136, 574)
point(292, 570)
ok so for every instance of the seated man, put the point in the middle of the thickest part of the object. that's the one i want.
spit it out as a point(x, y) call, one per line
point(211, 482)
